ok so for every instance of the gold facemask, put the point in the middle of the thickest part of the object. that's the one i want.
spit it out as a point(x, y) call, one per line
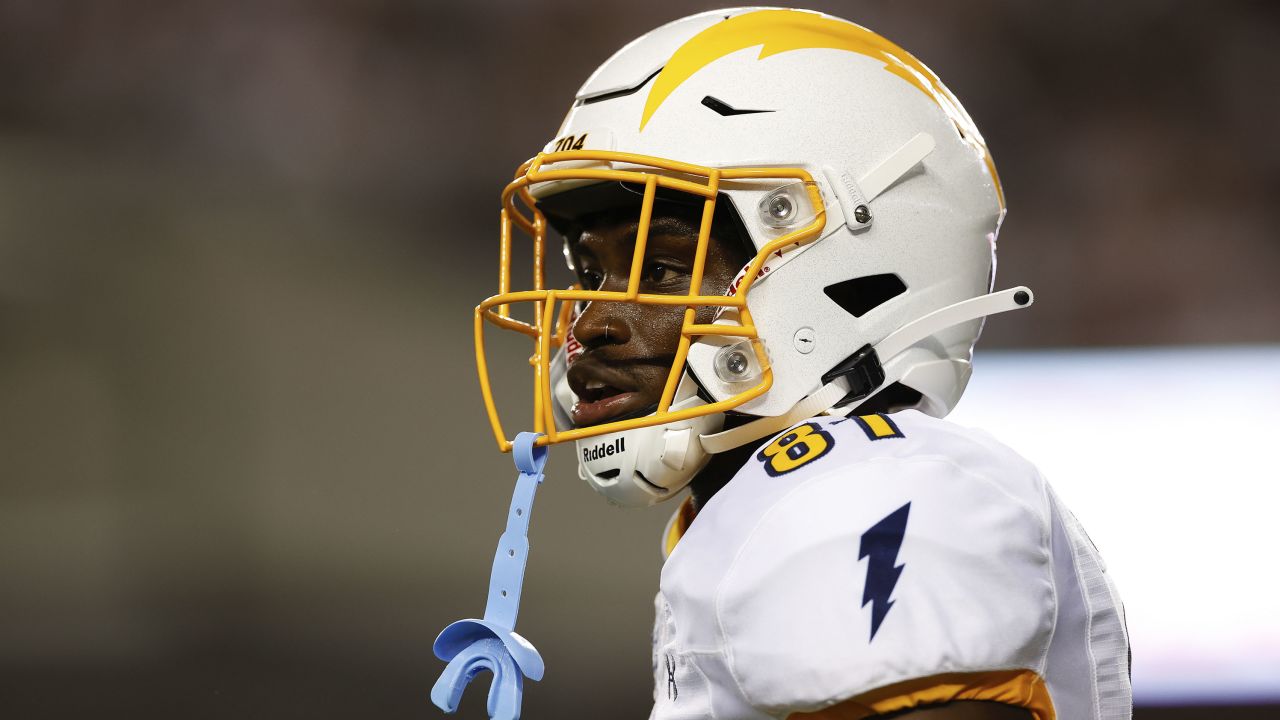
point(552, 309)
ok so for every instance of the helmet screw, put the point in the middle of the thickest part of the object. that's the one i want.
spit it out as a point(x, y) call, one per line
point(781, 208)
point(736, 362)
point(805, 340)
point(1021, 297)
point(862, 214)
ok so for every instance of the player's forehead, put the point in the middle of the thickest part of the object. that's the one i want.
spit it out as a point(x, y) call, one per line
point(618, 230)
point(602, 215)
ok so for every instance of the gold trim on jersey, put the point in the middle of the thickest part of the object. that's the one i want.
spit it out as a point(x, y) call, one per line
point(1020, 688)
point(680, 521)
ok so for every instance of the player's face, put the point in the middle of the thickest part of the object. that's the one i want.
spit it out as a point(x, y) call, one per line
point(629, 348)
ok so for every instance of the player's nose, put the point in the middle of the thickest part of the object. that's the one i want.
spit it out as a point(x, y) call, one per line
point(601, 323)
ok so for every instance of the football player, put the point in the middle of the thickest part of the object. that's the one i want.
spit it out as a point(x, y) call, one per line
point(783, 230)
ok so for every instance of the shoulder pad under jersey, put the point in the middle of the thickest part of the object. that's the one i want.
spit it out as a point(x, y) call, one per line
point(852, 554)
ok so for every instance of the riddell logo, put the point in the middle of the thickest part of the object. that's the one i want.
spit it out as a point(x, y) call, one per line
point(617, 447)
point(764, 270)
point(572, 348)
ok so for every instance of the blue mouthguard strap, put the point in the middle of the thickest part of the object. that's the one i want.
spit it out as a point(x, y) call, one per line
point(507, 577)
point(472, 646)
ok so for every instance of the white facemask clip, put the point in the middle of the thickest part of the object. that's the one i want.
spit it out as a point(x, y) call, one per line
point(855, 196)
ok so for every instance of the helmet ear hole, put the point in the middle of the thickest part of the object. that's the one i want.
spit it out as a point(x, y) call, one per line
point(860, 296)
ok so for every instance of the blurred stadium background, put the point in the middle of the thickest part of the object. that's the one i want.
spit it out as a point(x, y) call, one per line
point(244, 470)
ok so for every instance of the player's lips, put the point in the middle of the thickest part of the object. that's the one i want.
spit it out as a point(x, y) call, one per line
point(586, 414)
point(603, 393)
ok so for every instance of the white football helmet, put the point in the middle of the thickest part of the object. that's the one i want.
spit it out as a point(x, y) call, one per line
point(866, 191)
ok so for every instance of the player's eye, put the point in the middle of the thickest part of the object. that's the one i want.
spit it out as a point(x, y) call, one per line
point(591, 280)
point(657, 272)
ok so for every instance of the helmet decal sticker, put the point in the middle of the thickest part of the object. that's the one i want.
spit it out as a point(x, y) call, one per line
point(779, 31)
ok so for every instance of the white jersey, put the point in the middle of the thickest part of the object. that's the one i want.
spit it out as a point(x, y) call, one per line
point(865, 565)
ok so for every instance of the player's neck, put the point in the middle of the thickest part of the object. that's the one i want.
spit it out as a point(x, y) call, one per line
point(722, 468)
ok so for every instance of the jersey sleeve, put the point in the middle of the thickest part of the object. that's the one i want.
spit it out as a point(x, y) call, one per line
point(894, 574)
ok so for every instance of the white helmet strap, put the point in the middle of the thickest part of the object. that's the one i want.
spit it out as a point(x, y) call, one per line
point(899, 340)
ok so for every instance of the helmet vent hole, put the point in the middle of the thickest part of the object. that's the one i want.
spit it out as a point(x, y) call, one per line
point(609, 474)
point(725, 109)
point(860, 296)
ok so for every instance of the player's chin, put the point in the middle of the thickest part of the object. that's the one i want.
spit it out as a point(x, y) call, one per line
point(615, 407)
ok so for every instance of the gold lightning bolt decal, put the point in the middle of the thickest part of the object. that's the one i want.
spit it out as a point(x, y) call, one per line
point(778, 31)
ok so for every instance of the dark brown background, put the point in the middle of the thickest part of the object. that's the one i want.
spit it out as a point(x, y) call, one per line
point(243, 467)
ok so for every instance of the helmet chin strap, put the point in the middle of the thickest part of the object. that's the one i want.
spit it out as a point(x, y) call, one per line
point(899, 340)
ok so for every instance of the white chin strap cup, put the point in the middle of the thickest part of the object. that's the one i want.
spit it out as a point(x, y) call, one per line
point(644, 466)
point(904, 337)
